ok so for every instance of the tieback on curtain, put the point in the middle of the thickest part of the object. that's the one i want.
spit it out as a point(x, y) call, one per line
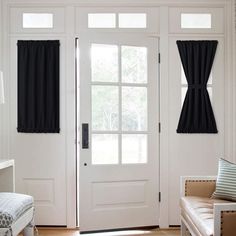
point(197, 86)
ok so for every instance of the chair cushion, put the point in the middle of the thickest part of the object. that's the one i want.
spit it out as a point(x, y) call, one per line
point(12, 206)
point(226, 181)
point(200, 211)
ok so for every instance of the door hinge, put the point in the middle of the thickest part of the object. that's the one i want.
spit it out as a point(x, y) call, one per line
point(159, 197)
point(159, 127)
point(159, 58)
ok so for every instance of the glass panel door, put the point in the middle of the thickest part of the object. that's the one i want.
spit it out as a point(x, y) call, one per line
point(119, 102)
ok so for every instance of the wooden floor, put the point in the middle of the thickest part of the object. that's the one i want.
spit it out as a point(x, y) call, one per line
point(65, 232)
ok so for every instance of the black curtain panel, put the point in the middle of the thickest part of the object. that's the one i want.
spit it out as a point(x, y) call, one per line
point(38, 86)
point(197, 58)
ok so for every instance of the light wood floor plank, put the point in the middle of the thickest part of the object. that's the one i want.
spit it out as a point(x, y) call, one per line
point(66, 232)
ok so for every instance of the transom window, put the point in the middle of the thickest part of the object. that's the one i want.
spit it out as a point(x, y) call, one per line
point(37, 20)
point(117, 20)
point(102, 20)
point(132, 20)
point(195, 20)
point(119, 104)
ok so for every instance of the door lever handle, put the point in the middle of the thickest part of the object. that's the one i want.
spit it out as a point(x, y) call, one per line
point(85, 136)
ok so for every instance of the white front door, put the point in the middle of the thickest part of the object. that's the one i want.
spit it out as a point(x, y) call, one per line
point(119, 148)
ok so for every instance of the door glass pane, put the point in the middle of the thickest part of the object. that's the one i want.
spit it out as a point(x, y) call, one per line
point(101, 20)
point(132, 20)
point(104, 60)
point(105, 149)
point(134, 64)
point(195, 21)
point(104, 107)
point(209, 89)
point(183, 94)
point(134, 109)
point(183, 77)
point(210, 79)
point(134, 148)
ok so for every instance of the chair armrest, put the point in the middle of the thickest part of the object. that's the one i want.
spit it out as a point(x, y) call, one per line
point(200, 186)
point(224, 219)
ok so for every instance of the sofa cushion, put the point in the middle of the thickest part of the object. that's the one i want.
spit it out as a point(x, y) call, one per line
point(200, 211)
point(12, 206)
point(226, 181)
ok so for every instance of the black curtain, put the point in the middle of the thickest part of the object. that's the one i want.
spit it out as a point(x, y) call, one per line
point(197, 58)
point(38, 86)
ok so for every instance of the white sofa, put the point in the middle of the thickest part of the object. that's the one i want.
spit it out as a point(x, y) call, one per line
point(200, 214)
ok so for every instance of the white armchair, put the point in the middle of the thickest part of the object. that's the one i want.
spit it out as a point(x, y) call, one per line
point(16, 210)
point(202, 215)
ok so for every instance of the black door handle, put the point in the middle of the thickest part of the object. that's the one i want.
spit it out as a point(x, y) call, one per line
point(85, 136)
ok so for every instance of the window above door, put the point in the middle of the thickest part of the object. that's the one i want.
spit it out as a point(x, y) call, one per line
point(196, 20)
point(117, 19)
point(37, 20)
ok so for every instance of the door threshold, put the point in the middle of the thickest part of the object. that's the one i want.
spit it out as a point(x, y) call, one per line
point(141, 228)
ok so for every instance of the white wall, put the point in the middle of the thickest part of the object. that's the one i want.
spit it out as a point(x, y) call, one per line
point(1, 67)
point(1, 34)
point(234, 74)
